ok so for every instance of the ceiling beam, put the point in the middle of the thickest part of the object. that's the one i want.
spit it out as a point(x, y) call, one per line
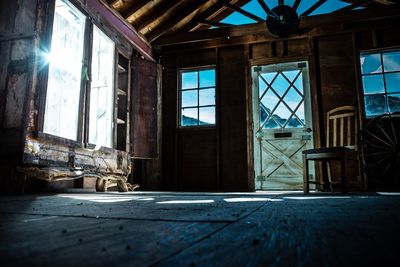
point(313, 7)
point(133, 8)
point(242, 11)
point(307, 24)
point(181, 13)
point(296, 4)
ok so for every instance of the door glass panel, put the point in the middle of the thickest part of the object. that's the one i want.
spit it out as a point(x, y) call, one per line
point(280, 85)
point(293, 99)
point(262, 86)
point(102, 90)
point(289, 111)
point(65, 72)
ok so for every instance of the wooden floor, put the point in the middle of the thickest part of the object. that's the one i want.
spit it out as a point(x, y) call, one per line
point(188, 229)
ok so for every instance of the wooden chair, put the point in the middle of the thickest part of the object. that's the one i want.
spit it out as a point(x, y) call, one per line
point(341, 145)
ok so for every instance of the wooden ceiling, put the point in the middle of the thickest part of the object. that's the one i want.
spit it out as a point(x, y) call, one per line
point(155, 18)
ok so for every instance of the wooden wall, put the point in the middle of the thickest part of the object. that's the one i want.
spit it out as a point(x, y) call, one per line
point(221, 158)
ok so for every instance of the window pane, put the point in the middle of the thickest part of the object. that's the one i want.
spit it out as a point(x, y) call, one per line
point(392, 82)
point(189, 98)
point(280, 85)
point(394, 102)
point(101, 91)
point(65, 71)
point(207, 115)
point(189, 80)
point(375, 105)
point(371, 63)
point(207, 97)
point(391, 61)
point(189, 117)
point(373, 84)
point(207, 78)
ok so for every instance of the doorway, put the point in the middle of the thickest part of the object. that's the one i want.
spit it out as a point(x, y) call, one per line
point(282, 122)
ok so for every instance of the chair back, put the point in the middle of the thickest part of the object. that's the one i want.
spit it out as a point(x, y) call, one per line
point(342, 129)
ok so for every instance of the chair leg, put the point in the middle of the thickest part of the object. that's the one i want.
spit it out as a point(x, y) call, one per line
point(329, 172)
point(306, 184)
point(343, 169)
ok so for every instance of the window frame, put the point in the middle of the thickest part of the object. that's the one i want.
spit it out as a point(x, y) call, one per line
point(379, 52)
point(82, 139)
point(198, 89)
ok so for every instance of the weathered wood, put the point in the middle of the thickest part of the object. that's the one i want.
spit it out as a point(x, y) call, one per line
point(144, 109)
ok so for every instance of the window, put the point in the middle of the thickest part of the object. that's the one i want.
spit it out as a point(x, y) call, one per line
point(197, 97)
point(380, 73)
point(68, 79)
point(65, 72)
point(101, 90)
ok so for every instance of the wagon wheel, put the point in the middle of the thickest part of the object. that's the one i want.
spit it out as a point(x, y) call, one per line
point(381, 151)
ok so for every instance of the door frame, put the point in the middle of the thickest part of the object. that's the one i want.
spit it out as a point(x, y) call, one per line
point(312, 98)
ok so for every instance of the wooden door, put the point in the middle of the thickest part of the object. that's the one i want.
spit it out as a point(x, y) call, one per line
point(282, 124)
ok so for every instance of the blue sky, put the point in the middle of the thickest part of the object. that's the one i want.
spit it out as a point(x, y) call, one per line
point(254, 7)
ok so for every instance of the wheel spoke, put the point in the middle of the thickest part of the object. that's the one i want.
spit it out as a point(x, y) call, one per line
point(377, 154)
point(387, 136)
point(378, 138)
point(394, 132)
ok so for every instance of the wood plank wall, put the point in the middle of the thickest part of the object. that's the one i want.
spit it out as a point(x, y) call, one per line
point(220, 159)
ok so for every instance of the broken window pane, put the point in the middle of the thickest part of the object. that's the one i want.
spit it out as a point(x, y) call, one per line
point(65, 72)
point(370, 63)
point(102, 90)
point(394, 102)
point(375, 105)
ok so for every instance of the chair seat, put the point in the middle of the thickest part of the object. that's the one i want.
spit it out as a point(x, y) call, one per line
point(336, 149)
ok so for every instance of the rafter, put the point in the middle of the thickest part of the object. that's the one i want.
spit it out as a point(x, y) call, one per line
point(154, 14)
point(264, 6)
point(296, 4)
point(184, 11)
point(242, 11)
point(111, 2)
point(313, 7)
point(133, 8)
point(213, 23)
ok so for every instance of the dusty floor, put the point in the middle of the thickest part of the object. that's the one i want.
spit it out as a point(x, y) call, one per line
point(188, 229)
